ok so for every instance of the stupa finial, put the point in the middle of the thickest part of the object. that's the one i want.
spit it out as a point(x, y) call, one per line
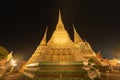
point(59, 19)
point(43, 42)
point(77, 38)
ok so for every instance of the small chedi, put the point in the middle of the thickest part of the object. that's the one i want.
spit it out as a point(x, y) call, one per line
point(60, 57)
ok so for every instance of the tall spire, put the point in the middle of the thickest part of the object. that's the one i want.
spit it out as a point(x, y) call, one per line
point(43, 41)
point(60, 25)
point(77, 38)
point(60, 36)
point(59, 19)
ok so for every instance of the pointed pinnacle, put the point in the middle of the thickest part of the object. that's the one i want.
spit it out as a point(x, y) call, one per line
point(60, 19)
point(43, 41)
point(74, 27)
point(44, 37)
point(46, 30)
point(77, 38)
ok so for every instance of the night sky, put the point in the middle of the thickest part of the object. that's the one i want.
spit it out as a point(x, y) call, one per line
point(23, 23)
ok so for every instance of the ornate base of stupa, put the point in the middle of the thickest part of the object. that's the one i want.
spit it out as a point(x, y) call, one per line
point(57, 70)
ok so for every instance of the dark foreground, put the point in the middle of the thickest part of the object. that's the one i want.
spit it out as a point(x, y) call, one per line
point(113, 76)
point(14, 76)
point(20, 76)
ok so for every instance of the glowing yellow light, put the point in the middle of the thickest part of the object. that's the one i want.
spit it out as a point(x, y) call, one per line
point(85, 63)
point(62, 63)
point(33, 64)
point(118, 61)
point(13, 62)
point(60, 40)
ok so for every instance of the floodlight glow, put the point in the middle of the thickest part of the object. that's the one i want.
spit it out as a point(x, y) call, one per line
point(33, 64)
point(118, 61)
point(13, 62)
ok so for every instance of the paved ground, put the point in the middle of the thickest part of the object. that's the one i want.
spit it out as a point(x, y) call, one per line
point(19, 76)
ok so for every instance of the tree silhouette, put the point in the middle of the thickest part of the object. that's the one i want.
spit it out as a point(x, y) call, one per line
point(3, 53)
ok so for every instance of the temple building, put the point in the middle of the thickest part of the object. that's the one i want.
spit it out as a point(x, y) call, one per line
point(59, 55)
